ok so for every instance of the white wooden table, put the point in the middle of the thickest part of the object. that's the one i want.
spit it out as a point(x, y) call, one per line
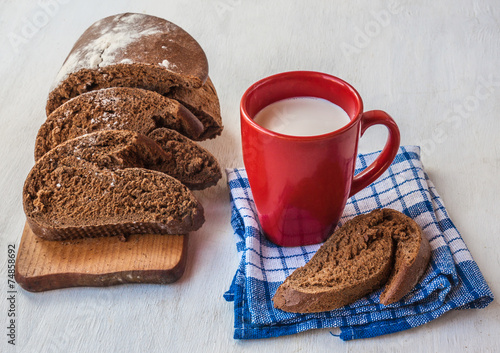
point(433, 65)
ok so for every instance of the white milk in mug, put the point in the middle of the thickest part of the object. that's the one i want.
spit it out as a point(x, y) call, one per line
point(302, 116)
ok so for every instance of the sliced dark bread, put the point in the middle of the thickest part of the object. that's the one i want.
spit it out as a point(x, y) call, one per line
point(79, 189)
point(356, 260)
point(192, 164)
point(204, 104)
point(130, 50)
point(165, 151)
point(114, 109)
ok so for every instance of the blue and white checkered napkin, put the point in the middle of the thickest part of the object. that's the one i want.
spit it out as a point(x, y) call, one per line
point(452, 281)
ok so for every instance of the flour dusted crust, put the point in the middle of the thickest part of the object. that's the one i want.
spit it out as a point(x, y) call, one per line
point(130, 50)
point(384, 247)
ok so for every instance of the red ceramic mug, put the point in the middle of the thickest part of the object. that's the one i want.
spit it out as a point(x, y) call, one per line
point(300, 184)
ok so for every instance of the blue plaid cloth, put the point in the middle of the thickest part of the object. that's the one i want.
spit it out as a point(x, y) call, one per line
point(452, 281)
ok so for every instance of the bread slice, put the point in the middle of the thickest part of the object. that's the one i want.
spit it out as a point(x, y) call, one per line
point(204, 104)
point(130, 50)
point(356, 260)
point(114, 109)
point(113, 149)
point(190, 163)
point(166, 151)
point(88, 187)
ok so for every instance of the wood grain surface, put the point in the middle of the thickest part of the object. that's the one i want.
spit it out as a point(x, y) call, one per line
point(45, 265)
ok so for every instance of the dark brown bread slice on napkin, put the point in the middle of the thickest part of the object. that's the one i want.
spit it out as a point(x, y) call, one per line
point(118, 109)
point(204, 103)
point(356, 260)
point(192, 164)
point(130, 50)
point(76, 191)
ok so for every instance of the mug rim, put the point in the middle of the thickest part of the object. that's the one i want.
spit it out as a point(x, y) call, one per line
point(246, 116)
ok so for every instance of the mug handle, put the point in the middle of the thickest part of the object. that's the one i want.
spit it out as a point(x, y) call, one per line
point(384, 160)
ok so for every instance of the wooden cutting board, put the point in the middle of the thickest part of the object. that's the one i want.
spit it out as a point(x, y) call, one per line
point(43, 265)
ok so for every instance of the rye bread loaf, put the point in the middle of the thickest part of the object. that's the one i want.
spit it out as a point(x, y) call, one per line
point(114, 109)
point(130, 50)
point(204, 104)
point(88, 187)
point(370, 250)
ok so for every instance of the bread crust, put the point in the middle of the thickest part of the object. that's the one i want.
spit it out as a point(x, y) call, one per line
point(406, 274)
point(130, 50)
point(204, 104)
point(120, 230)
